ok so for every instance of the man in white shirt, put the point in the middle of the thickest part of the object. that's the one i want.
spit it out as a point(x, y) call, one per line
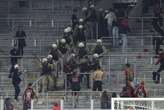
point(110, 18)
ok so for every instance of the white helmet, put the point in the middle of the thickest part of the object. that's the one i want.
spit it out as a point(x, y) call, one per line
point(63, 41)
point(84, 8)
point(106, 11)
point(49, 56)
point(65, 30)
point(80, 26)
point(95, 55)
point(73, 55)
point(44, 60)
point(99, 41)
point(81, 20)
point(92, 6)
point(54, 45)
point(16, 66)
point(81, 44)
point(69, 29)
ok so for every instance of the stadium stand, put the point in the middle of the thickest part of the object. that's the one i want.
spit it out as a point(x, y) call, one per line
point(44, 23)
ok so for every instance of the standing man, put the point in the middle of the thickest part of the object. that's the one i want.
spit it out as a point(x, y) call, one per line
point(156, 75)
point(14, 59)
point(20, 36)
point(97, 79)
point(110, 18)
point(129, 74)
point(28, 96)
point(16, 80)
point(124, 29)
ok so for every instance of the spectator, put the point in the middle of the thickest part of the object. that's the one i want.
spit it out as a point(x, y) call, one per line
point(16, 80)
point(75, 82)
point(28, 96)
point(99, 48)
point(92, 20)
point(84, 66)
point(20, 36)
point(74, 19)
point(140, 90)
point(156, 75)
point(8, 104)
point(56, 106)
point(129, 74)
point(101, 23)
point(111, 17)
point(123, 30)
point(105, 100)
point(46, 73)
point(127, 91)
point(97, 79)
point(115, 33)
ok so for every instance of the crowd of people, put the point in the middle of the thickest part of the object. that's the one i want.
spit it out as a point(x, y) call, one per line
point(71, 55)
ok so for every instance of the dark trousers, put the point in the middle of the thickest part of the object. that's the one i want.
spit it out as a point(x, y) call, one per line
point(156, 43)
point(17, 90)
point(26, 105)
point(97, 85)
point(161, 68)
point(20, 49)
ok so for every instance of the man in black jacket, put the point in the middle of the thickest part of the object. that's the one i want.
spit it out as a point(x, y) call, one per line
point(20, 36)
point(16, 80)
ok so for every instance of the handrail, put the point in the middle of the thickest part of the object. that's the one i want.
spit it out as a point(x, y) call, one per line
point(40, 78)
